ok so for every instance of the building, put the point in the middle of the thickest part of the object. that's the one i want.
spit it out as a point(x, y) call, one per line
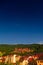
point(23, 60)
point(12, 58)
point(40, 61)
point(0, 59)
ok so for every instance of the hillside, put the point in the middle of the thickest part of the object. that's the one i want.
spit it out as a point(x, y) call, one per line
point(7, 49)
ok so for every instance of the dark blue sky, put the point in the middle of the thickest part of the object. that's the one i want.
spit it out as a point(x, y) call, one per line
point(21, 21)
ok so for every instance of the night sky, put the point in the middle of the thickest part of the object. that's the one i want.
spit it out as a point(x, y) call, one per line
point(21, 21)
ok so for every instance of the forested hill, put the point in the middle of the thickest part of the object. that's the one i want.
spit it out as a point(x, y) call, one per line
point(38, 48)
